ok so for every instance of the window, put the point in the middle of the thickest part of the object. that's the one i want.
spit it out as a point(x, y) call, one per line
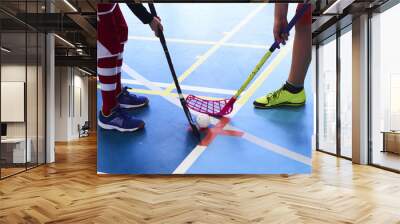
point(22, 76)
point(335, 94)
point(327, 96)
point(385, 89)
point(346, 92)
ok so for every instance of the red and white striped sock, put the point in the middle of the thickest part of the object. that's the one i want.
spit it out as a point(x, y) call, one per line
point(107, 71)
point(123, 38)
point(112, 31)
point(119, 64)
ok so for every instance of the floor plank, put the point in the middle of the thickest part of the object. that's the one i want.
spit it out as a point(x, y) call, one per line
point(70, 191)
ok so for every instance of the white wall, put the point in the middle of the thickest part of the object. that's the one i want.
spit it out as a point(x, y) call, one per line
point(33, 127)
point(80, 105)
point(71, 93)
point(16, 73)
point(61, 103)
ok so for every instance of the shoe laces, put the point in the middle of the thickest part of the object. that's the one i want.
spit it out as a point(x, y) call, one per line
point(121, 112)
point(274, 95)
point(125, 90)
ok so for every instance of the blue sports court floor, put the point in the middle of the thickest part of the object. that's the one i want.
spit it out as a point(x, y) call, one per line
point(213, 47)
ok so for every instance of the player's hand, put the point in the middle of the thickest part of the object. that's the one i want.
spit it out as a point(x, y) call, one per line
point(156, 25)
point(280, 24)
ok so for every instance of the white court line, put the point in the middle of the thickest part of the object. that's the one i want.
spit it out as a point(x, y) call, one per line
point(198, 150)
point(277, 149)
point(200, 42)
point(185, 165)
point(190, 159)
point(135, 75)
point(132, 73)
point(255, 46)
point(173, 40)
point(183, 87)
point(270, 146)
point(260, 79)
point(252, 138)
point(215, 47)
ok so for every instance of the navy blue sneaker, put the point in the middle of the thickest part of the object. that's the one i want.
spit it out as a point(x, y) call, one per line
point(120, 120)
point(128, 100)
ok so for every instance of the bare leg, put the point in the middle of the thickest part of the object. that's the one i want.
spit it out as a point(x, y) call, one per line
point(301, 55)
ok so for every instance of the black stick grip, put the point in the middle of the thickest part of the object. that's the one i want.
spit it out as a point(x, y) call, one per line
point(152, 9)
point(175, 78)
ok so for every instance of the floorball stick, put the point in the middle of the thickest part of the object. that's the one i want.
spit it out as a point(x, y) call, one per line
point(172, 69)
point(223, 107)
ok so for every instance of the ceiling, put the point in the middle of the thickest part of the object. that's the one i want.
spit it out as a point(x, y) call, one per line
point(333, 15)
point(74, 22)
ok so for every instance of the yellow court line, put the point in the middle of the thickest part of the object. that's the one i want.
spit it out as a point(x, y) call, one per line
point(243, 99)
point(201, 42)
point(260, 80)
point(140, 91)
point(214, 48)
point(174, 40)
point(145, 91)
point(161, 93)
point(247, 94)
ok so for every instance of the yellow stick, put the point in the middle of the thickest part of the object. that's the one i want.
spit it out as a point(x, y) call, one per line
point(253, 73)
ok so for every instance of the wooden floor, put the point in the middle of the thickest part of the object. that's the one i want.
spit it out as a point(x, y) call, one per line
point(5, 172)
point(69, 191)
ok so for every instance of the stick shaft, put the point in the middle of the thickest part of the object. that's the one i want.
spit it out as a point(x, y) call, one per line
point(172, 69)
point(167, 55)
point(253, 73)
point(274, 46)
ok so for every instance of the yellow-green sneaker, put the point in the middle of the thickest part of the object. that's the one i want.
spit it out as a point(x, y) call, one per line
point(281, 97)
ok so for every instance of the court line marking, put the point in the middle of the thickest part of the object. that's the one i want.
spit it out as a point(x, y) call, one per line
point(153, 89)
point(173, 95)
point(215, 47)
point(198, 150)
point(160, 92)
point(277, 149)
point(190, 159)
point(245, 96)
point(183, 87)
point(238, 102)
point(200, 42)
point(132, 73)
point(261, 78)
point(271, 146)
point(145, 91)
point(253, 46)
point(250, 91)
point(193, 156)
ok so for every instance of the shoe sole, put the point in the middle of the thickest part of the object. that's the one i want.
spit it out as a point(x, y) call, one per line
point(280, 105)
point(111, 127)
point(128, 106)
